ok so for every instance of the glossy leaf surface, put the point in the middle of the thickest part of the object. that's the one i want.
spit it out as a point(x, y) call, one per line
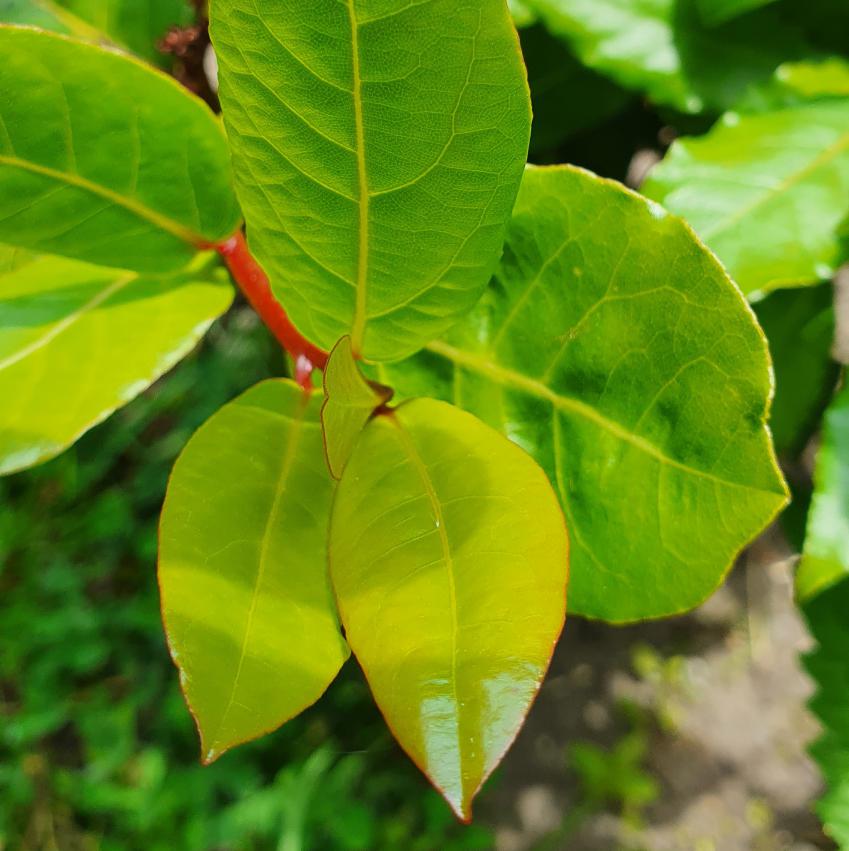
point(79, 341)
point(350, 400)
point(767, 193)
point(136, 186)
point(799, 325)
point(827, 666)
point(378, 149)
point(613, 347)
point(825, 559)
point(448, 555)
point(664, 48)
point(246, 599)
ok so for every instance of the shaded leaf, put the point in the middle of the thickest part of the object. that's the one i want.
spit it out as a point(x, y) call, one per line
point(350, 400)
point(378, 149)
point(767, 192)
point(719, 11)
point(139, 185)
point(448, 555)
point(612, 347)
point(79, 341)
point(799, 325)
point(825, 558)
point(829, 624)
point(663, 47)
point(246, 600)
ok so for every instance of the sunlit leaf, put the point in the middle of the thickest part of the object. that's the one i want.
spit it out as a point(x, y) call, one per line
point(767, 193)
point(448, 555)
point(78, 341)
point(378, 148)
point(825, 559)
point(799, 325)
point(350, 400)
point(664, 48)
point(104, 159)
point(613, 347)
point(246, 599)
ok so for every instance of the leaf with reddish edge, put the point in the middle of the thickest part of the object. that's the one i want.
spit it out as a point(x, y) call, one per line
point(350, 400)
point(246, 599)
point(449, 558)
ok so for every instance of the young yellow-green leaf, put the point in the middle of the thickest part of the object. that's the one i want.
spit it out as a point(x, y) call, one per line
point(825, 558)
point(349, 402)
point(246, 598)
point(614, 348)
point(46, 15)
point(378, 147)
point(664, 48)
point(79, 341)
point(138, 185)
point(799, 325)
point(767, 192)
point(449, 556)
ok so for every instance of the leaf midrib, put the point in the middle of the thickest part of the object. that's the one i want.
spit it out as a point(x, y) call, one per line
point(840, 146)
point(359, 321)
point(72, 318)
point(136, 208)
point(295, 432)
point(508, 377)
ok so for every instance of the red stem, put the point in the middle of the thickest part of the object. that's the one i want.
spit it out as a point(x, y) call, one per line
point(253, 282)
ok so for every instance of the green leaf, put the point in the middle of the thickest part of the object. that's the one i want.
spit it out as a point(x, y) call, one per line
point(797, 84)
point(719, 11)
point(825, 559)
point(827, 619)
point(663, 48)
point(799, 325)
point(246, 599)
point(767, 193)
point(378, 148)
point(523, 15)
point(613, 348)
point(448, 555)
point(137, 24)
point(350, 400)
point(139, 185)
point(79, 341)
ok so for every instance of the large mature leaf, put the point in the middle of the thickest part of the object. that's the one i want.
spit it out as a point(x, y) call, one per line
point(246, 598)
point(378, 147)
point(136, 24)
point(448, 555)
point(78, 341)
point(350, 400)
point(828, 620)
point(613, 347)
point(825, 559)
point(663, 47)
point(799, 84)
point(799, 325)
point(766, 192)
point(104, 159)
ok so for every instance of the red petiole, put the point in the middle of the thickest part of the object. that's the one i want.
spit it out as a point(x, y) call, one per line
point(253, 282)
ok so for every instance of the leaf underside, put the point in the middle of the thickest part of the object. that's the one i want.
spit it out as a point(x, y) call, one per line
point(378, 149)
point(448, 554)
point(613, 347)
